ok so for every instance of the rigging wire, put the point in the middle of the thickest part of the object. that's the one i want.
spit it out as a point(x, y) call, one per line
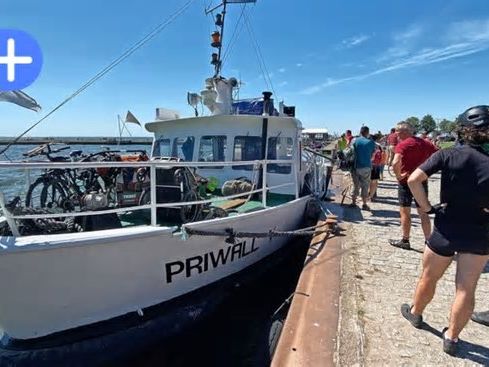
point(160, 27)
point(237, 29)
point(259, 55)
point(260, 65)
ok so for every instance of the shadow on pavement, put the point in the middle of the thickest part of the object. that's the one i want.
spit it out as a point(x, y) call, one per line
point(383, 222)
point(386, 185)
point(385, 213)
point(386, 200)
point(466, 350)
point(352, 215)
point(473, 352)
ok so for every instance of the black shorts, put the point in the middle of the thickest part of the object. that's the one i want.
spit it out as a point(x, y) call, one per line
point(443, 246)
point(375, 175)
point(406, 196)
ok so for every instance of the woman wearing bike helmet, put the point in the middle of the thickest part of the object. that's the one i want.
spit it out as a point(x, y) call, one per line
point(461, 222)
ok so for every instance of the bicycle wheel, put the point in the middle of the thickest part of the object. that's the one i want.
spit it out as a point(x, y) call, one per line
point(190, 213)
point(45, 193)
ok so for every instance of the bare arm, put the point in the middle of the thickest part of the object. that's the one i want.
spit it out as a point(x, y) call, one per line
point(415, 183)
point(396, 166)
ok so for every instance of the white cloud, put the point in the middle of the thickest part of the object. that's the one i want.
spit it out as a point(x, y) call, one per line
point(283, 84)
point(299, 64)
point(355, 41)
point(404, 43)
point(281, 70)
point(412, 32)
point(469, 43)
point(393, 52)
point(469, 31)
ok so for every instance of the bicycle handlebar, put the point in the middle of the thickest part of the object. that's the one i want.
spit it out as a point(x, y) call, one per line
point(41, 150)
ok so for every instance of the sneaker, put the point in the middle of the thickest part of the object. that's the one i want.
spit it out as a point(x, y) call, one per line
point(415, 320)
point(365, 207)
point(402, 243)
point(449, 345)
point(481, 317)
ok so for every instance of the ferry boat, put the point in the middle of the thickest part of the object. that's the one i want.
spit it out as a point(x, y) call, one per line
point(222, 194)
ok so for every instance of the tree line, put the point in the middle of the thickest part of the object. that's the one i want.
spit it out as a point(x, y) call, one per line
point(428, 124)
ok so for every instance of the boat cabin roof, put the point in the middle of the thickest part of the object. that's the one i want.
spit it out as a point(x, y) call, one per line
point(225, 125)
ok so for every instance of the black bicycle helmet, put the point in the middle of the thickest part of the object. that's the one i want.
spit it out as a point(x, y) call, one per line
point(477, 116)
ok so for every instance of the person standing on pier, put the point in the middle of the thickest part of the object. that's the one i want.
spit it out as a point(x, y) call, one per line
point(348, 136)
point(376, 169)
point(461, 222)
point(342, 143)
point(409, 154)
point(363, 148)
point(392, 140)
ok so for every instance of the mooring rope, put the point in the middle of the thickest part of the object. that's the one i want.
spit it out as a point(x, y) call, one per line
point(231, 234)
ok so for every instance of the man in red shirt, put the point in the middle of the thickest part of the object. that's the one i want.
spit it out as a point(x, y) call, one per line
point(348, 136)
point(410, 153)
point(392, 141)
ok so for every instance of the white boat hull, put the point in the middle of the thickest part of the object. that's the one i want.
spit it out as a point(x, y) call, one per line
point(54, 283)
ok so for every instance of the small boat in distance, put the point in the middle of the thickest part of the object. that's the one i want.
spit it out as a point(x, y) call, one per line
point(222, 194)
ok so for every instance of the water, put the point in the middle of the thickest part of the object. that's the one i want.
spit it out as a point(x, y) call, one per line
point(14, 182)
point(236, 334)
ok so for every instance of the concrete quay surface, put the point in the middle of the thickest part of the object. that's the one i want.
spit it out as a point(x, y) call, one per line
point(377, 278)
point(346, 308)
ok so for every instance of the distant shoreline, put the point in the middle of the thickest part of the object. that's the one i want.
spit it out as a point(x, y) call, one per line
point(96, 140)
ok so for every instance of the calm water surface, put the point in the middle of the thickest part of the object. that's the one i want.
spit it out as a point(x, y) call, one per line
point(14, 182)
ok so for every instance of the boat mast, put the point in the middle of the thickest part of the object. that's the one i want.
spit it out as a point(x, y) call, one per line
point(219, 63)
point(217, 36)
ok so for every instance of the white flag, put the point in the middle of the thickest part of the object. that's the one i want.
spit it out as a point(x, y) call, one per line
point(21, 99)
point(131, 118)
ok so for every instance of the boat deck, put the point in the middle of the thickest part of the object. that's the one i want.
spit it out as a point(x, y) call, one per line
point(232, 207)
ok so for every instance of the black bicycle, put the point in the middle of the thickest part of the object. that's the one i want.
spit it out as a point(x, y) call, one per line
point(59, 188)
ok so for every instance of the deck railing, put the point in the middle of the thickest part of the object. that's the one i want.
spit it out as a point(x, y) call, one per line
point(315, 166)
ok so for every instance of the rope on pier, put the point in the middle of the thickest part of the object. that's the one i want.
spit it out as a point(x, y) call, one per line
point(232, 235)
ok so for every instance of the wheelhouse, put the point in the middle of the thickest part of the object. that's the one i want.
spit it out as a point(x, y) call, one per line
point(232, 138)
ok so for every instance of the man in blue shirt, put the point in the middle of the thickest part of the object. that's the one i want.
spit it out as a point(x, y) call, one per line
point(364, 148)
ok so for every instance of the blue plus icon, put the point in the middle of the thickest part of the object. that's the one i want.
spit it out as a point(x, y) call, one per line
point(20, 59)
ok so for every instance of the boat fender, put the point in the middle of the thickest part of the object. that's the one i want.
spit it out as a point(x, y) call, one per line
point(312, 211)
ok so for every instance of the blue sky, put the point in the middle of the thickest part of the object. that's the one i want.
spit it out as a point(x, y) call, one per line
point(342, 63)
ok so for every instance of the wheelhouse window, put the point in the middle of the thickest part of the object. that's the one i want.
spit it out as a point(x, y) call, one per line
point(183, 148)
point(162, 148)
point(212, 148)
point(280, 148)
point(247, 148)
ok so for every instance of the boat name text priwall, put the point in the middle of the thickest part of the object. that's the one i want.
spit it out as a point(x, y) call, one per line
point(202, 264)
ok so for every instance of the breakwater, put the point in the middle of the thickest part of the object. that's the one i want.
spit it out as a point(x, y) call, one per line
point(92, 140)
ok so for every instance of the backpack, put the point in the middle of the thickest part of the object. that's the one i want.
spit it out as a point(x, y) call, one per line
point(348, 162)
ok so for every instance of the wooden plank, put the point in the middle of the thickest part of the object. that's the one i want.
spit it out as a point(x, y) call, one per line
point(230, 204)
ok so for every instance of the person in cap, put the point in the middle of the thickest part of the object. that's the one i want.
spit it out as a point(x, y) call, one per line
point(461, 223)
